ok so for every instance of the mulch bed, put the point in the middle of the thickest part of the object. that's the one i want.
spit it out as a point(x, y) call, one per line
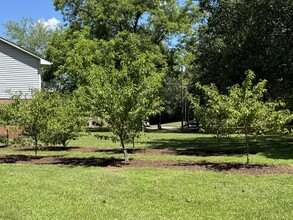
point(234, 168)
point(130, 151)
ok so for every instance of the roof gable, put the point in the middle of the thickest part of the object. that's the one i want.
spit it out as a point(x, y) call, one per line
point(43, 62)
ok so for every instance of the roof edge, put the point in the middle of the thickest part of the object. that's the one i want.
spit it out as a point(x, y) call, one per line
point(42, 61)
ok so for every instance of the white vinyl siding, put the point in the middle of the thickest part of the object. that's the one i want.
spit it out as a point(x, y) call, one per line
point(19, 71)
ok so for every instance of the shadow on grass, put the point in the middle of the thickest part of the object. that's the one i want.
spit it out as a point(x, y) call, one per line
point(99, 162)
point(113, 162)
point(274, 146)
point(16, 158)
point(3, 146)
point(83, 149)
point(98, 129)
point(58, 148)
point(187, 152)
point(224, 166)
point(71, 161)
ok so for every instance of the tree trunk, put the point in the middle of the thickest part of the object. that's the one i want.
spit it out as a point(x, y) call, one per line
point(160, 121)
point(182, 115)
point(133, 144)
point(125, 155)
point(7, 137)
point(126, 158)
point(218, 137)
point(247, 146)
point(36, 147)
point(182, 105)
point(218, 132)
point(64, 143)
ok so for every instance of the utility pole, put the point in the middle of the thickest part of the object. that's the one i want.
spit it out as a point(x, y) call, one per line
point(183, 102)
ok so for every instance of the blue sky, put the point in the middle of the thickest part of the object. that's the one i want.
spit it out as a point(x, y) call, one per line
point(37, 9)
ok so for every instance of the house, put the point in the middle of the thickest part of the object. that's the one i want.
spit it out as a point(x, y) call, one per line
point(20, 70)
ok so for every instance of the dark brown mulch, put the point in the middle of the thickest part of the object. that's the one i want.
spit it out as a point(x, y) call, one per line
point(234, 168)
point(73, 161)
point(131, 151)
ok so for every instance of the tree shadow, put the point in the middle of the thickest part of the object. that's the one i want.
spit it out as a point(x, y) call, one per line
point(3, 146)
point(56, 160)
point(16, 158)
point(273, 146)
point(276, 147)
point(209, 153)
point(58, 148)
point(91, 149)
point(223, 166)
point(97, 162)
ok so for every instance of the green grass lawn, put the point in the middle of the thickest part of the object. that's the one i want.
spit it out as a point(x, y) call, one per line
point(173, 124)
point(264, 149)
point(62, 192)
point(90, 192)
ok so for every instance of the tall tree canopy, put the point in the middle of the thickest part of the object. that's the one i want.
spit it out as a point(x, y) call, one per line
point(237, 35)
point(116, 53)
point(157, 18)
point(156, 23)
point(30, 34)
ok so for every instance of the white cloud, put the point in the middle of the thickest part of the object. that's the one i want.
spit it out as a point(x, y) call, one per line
point(51, 23)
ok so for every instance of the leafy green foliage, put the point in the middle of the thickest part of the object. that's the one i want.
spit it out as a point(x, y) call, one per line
point(116, 53)
point(29, 34)
point(244, 110)
point(7, 119)
point(155, 18)
point(32, 116)
point(252, 113)
point(115, 80)
point(216, 111)
point(124, 87)
point(50, 118)
point(155, 22)
point(72, 55)
point(238, 35)
point(65, 120)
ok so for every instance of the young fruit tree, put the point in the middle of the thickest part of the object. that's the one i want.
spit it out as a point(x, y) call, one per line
point(32, 116)
point(7, 119)
point(65, 120)
point(50, 118)
point(118, 52)
point(252, 113)
point(125, 91)
point(216, 110)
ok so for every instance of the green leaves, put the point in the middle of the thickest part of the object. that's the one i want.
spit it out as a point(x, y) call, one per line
point(243, 110)
point(50, 118)
point(123, 87)
point(128, 95)
point(29, 34)
point(239, 35)
point(7, 118)
point(115, 55)
point(216, 112)
point(32, 116)
point(157, 19)
point(65, 120)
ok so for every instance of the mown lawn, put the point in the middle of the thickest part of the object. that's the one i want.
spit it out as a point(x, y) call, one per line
point(187, 147)
point(91, 192)
point(62, 192)
point(173, 124)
